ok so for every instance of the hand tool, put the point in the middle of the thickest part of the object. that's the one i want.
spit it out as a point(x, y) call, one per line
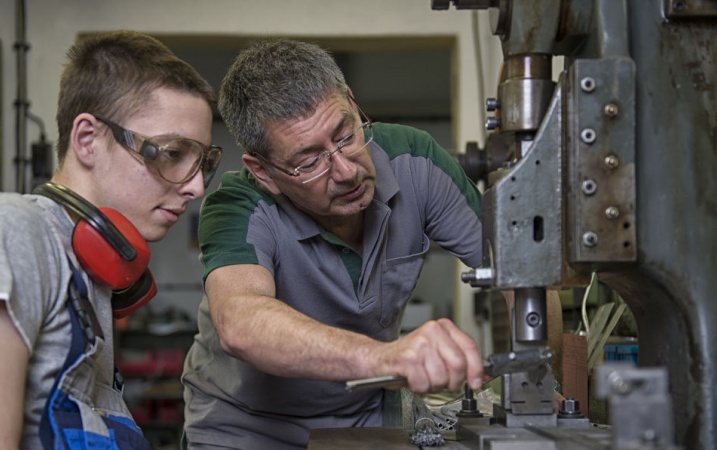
point(496, 365)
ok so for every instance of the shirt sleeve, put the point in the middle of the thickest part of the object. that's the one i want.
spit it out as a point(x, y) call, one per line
point(228, 225)
point(30, 263)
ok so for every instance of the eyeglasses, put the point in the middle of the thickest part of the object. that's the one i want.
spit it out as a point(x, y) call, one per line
point(317, 165)
point(176, 159)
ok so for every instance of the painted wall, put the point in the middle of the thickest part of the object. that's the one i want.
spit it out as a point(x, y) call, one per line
point(51, 28)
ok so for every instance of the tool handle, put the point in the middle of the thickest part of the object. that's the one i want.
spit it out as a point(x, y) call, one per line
point(496, 365)
point(376, 382)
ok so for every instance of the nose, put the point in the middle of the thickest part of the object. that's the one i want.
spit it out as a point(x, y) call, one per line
point(194, 188)
point(342, 167)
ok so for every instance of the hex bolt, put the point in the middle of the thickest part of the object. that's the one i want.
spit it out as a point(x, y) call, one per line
point(469, 405)
point(589, 187)
point(590, 239)
point(492, 123)
point(570, 409)
point(570, 405)
point(611, 212)
point(611, 162)
point(491, 104)
point(587, 84)
point(611, 110)
point(588, 135)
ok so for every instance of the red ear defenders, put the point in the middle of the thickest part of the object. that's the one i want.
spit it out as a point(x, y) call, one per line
point(109, 248)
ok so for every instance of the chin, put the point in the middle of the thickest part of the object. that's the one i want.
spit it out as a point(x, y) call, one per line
point(155, 235)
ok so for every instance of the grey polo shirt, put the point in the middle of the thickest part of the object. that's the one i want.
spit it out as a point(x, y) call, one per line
point(422, 195)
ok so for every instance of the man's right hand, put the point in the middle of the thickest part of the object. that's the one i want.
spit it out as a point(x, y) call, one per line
point(436, 356)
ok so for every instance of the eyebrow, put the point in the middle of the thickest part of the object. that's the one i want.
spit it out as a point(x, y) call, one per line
point(340, 125)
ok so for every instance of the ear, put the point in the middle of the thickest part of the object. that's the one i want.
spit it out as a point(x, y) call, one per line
point(83, 138)
point(261, 173)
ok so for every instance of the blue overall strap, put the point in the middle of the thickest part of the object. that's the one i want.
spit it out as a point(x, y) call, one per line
point(80, 337)
point(69, 424)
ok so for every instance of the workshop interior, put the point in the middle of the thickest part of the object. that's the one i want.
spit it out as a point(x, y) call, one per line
point(590, 127)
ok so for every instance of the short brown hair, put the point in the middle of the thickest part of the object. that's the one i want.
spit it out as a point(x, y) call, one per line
point(112, 74)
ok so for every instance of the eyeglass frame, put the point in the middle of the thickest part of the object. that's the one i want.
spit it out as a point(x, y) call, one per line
point(367, 124)
point(119, 134)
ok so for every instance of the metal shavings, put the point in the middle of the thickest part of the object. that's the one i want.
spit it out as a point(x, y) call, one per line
point(427, 438)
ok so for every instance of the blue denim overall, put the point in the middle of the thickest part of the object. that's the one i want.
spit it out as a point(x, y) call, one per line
point(80, 413)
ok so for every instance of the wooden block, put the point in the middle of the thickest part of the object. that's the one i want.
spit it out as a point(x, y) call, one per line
point(575, 369)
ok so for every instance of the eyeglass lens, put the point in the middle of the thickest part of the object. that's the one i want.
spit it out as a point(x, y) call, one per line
point(349, 147)
point(177, 160)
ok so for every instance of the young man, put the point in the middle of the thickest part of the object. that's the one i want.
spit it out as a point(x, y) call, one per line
point(134, 125)
point(311, 252)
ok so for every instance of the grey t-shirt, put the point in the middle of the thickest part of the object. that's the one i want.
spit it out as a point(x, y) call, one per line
point(422, 195)
point(35, 235)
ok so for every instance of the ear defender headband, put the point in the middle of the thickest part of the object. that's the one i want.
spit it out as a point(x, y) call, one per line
point(109, 248)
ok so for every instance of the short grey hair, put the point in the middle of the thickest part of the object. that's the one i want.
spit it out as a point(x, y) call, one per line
point(274, 80)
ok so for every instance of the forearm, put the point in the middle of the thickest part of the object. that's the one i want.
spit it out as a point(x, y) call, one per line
point(277, 339)
point(256, 327)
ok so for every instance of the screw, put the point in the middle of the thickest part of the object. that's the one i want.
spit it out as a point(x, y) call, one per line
point(611, 212)
point(533, 319)
point(589, 187)
point(587, 84)
point(588, 135)
point(492, 123)
point(611, 110)
point(590, 239)
point(611, 162)
point(491, 104)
